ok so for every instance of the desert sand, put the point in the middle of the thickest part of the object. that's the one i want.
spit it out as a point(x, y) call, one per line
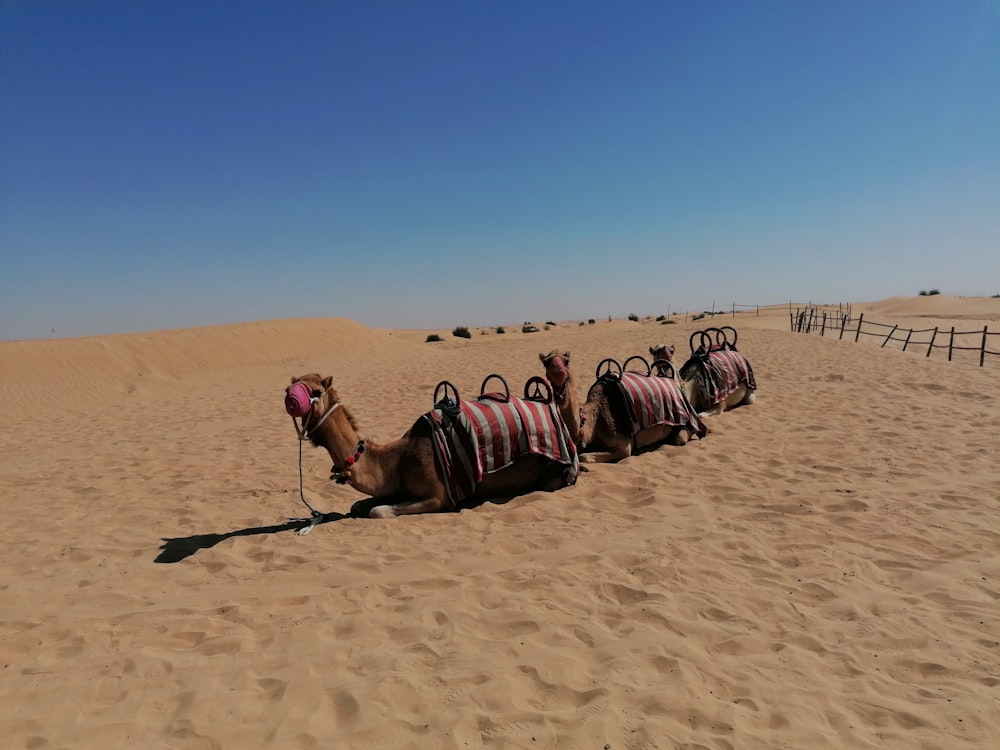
point(822, 571)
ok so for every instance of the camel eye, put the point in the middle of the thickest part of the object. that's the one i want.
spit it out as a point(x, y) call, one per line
point(316, 393)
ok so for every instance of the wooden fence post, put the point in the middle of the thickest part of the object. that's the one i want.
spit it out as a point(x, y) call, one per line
point(734, 309)
point(857, 333)
point(843, 323)
point(758, 311)
point(951, 342)
point(889, 336)
point(930, 346)
point(822, 331)
point(907, 339)
point(982, 351)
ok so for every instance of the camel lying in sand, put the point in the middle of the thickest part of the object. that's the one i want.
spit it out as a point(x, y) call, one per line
point(436, 465)
point(716, 376)
point(629, 411)
point(563, 389)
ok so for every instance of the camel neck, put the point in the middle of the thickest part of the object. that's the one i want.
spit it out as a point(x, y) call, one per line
point(376, 473)
point(373, 467)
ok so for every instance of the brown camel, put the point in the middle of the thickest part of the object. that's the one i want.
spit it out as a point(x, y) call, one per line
point(629, 411)
point(717, 376)
point(410, 474)
point(563, 389)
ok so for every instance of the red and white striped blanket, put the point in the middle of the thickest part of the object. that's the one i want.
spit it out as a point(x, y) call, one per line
point(655, 401)
point(726, 370)
point(488, 435)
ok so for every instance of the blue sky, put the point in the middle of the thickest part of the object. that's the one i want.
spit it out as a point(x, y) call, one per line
point(432, 164)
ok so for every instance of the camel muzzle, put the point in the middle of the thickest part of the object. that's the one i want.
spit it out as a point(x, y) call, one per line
point(298, 400)
point(557, 372)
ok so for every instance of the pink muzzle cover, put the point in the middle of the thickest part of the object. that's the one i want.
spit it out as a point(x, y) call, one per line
point(557, 371)
point(298, 401)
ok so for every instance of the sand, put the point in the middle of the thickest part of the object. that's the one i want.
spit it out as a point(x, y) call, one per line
point(822, 571)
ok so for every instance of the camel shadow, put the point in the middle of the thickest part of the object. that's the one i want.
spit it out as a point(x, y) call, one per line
point(175, 549)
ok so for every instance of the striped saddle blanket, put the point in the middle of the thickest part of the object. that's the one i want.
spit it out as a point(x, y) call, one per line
point(655, 401)
point(486, 436)
point(725, 370)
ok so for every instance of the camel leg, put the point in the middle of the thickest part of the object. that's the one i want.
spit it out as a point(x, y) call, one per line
point(750, 398)
point(431, 505)
point(604, 457)
point(681, 437)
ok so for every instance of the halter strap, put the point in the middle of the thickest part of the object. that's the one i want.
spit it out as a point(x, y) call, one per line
point(303, 432)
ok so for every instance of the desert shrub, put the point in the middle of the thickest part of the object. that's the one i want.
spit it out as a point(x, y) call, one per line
point(923, 292)
point(699, 316)
point(996, 296)
point(633, 317)
point(933, 291)
point(583, 324)
point(661, 317)
point(591, 321)
point(434, 337)
point(528, 328)
point(549, 323)
point(462, 332)
point(667, 322)
point(500, 329)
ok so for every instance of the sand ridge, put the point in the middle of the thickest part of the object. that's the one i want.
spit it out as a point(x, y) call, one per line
point(821, 571)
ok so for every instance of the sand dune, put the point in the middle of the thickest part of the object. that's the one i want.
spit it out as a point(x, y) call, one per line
point(821, 572)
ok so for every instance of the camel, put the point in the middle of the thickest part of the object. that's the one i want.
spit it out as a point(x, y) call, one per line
point(563, 389)
point(411, 474)
point(716, 376)
point(626, 412)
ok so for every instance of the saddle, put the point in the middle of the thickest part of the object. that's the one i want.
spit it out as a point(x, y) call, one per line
point(652, 400)
point(475, 438)
point(721, 364)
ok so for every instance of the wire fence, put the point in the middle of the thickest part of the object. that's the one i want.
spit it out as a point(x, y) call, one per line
point(815, 320)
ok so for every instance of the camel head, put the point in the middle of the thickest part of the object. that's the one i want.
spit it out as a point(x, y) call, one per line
point(556, 367)
point(304, 392)
point(312, 398)
point(662, 351)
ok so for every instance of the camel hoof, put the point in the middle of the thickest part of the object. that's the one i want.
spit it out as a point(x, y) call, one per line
point(383, 511)
point(588, 458)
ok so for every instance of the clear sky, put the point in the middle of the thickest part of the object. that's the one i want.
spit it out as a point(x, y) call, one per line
point(430, 164)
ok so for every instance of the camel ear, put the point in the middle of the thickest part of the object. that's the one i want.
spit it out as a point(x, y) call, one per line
point(652, 350)
point(541, 357)
point(566, 358)
point(293, 380)
point(671, 348)
point(327, 381)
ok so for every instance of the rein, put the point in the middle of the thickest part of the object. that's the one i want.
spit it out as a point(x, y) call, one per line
point(304, 434)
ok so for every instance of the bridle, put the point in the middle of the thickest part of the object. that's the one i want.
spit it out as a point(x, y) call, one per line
point(301, 403)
